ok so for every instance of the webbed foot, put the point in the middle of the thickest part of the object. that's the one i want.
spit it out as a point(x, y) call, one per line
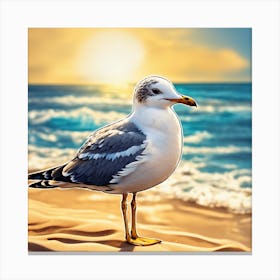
point(142, 241)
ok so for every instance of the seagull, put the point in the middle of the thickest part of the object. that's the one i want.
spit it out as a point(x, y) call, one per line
point(128, 156)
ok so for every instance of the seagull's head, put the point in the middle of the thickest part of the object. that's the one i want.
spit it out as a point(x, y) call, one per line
point(158, 92)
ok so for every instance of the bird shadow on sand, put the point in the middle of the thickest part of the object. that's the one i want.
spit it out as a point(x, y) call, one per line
point(123, 245)
point(71, 236)
point(34, 247)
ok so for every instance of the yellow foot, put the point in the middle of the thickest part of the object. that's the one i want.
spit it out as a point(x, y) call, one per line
point(142, 241)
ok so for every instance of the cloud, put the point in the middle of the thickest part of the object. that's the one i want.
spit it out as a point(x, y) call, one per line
point(181, 59)
point(53, 55)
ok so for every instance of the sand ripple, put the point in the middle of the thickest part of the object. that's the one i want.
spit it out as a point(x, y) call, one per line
point(83, 221)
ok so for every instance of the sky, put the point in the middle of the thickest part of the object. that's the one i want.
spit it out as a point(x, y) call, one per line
point(125, 55)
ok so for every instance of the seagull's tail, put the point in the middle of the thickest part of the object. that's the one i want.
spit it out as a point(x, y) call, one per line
point(43, 184)
point(47, 177)
point(42, 175)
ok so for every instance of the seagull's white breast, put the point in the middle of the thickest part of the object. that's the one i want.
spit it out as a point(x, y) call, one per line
point(162, 154)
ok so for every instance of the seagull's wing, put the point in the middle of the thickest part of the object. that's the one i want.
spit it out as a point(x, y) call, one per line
point(105, 154)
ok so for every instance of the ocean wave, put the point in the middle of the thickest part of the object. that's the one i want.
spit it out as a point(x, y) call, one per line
point(42, 157)
point(83, 113)
point(221, 109)
point(77, 137)
point(221, 190)
point(216, 150)
point(227, 190)
point(82, 100)
point(198, 137)
point(216, 108)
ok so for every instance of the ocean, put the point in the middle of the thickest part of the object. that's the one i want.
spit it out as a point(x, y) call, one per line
point(215, 170)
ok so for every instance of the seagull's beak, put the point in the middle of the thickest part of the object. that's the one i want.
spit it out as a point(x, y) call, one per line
point(184, 100)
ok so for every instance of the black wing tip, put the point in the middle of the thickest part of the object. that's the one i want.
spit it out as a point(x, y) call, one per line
point(43, 174)
point(35, 185)
point(35, 176)
point(41, 185)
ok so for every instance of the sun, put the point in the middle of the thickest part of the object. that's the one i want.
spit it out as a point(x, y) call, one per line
point(110, 57)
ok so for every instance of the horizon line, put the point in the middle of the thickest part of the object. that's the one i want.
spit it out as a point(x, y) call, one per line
point(133, 83)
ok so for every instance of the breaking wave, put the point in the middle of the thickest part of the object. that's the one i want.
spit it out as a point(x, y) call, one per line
point(82, 114)
point(223, 190)
point(230, 190)
point(216, 166)
point(198, 137)
point(215, 150)
point(82, 100)
point(224, 108)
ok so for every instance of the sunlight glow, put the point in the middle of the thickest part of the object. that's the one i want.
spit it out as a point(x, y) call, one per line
point(110, 57)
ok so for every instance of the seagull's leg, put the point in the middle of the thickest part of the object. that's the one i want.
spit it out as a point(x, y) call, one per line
point(124, 207)
point(135, 239)
point(134, 234)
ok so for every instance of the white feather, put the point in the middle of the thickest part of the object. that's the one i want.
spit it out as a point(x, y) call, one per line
point(112, 156)
point(162, 153)
point(131, 167)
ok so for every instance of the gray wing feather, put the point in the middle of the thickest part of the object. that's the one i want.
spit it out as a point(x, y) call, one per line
point(106, 152)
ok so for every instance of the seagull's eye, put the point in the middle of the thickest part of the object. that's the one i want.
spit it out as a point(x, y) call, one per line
point(156, 91)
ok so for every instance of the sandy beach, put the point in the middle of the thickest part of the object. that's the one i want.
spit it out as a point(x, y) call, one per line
point(76, 220)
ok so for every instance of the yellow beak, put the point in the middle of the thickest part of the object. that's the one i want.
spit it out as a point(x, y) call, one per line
point(184, 100)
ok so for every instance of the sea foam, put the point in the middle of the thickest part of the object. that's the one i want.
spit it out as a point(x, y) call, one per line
point(216, 166)
point(83, 113)
point(224, 190)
